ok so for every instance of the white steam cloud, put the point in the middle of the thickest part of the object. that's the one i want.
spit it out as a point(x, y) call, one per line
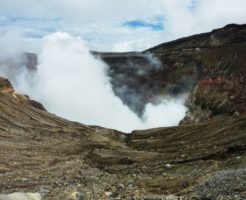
point(71, 83)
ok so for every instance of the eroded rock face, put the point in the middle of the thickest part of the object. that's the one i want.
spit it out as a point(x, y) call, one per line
point(5, 86)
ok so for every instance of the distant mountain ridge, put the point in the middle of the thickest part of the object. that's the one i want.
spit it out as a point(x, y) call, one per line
point(232, 33)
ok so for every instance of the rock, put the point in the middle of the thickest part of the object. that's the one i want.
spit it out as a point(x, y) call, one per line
point(21, 196)
point(77, 196)
point(108, 193)
point(6, 86)
point(168, 166)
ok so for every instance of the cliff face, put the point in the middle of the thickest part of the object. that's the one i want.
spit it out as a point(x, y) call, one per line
point(209, 66)
point(205, 158)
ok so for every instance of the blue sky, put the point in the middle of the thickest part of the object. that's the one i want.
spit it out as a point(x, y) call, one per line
point(156, 25)
point(139, 23)
point(121, 25)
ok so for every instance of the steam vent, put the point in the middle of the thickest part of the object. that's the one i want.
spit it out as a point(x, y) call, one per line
point(45, 157)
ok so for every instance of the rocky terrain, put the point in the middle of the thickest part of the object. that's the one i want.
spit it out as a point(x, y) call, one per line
point(46, 157)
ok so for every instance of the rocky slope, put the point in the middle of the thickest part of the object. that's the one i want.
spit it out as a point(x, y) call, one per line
point(45, 156)
point(59, 159)
point(42, 153)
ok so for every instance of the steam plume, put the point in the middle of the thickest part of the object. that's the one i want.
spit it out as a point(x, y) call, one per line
point(71, 83)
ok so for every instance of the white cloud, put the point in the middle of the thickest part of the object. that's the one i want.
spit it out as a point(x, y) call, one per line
point(181, 21)
point(216, 13)
point(99, 21)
